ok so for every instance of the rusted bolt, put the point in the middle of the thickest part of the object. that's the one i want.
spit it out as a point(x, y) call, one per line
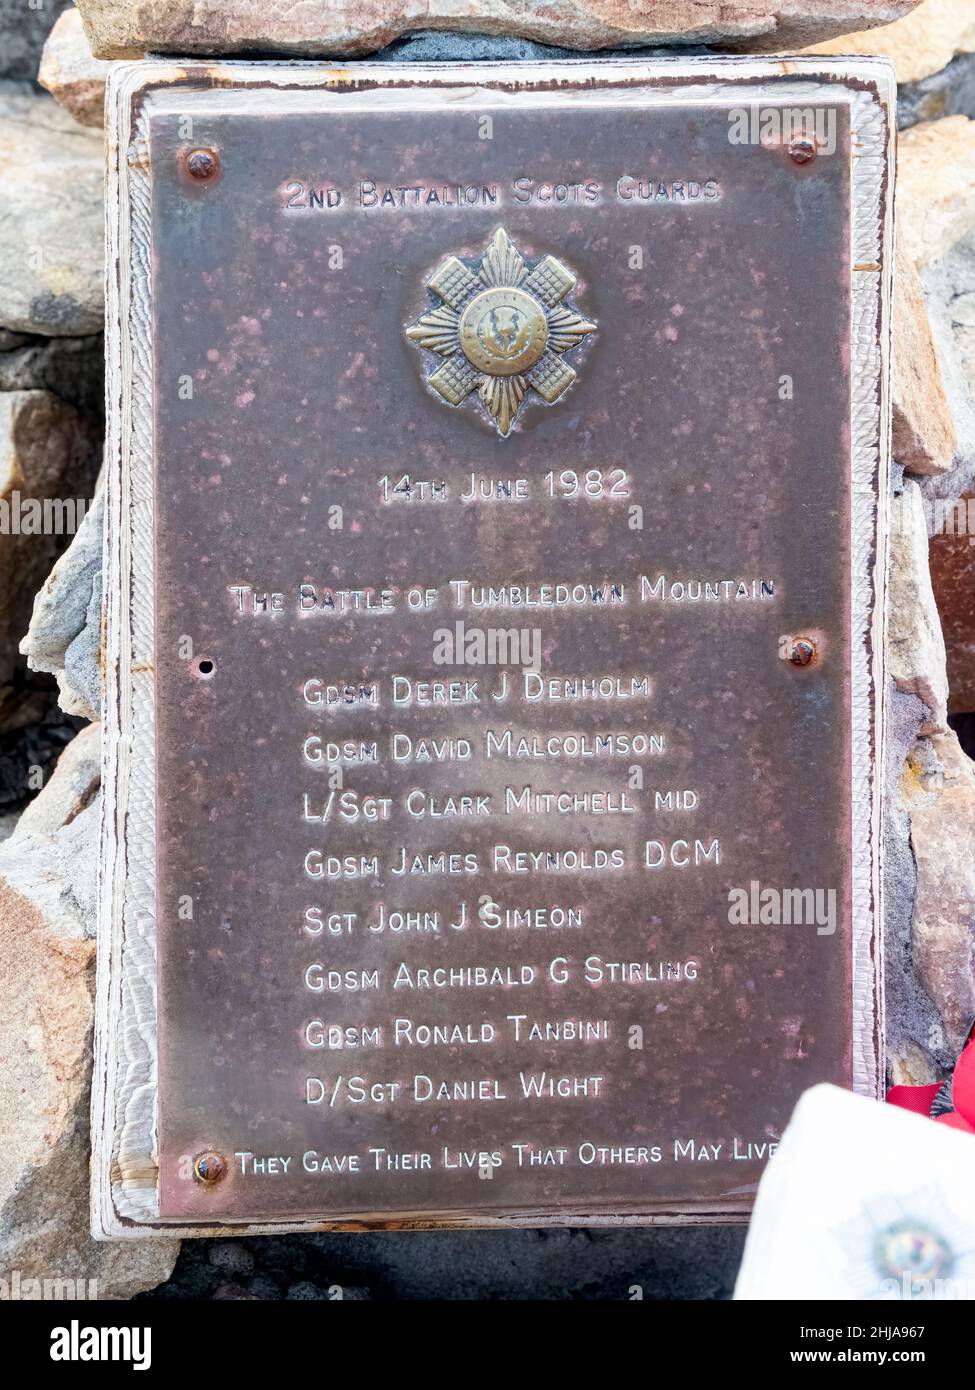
point(209, 1168)
point(802, 151)
point(802, 652)
point(202, 164)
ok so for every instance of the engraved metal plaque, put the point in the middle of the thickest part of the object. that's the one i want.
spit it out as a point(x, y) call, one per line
point(496, 570)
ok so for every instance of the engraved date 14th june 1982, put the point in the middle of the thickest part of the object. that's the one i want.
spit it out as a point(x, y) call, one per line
point(593, 484)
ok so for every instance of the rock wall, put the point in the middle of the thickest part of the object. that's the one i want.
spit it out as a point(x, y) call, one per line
point(50, 349)
point(51, 433)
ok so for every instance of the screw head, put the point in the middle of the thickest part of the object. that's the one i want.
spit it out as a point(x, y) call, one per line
point(802, 151)
point(802, 652)
point(209, 1168)
point(202, 164)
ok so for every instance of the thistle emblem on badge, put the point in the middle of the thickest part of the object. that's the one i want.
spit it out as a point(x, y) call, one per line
point(503, 327)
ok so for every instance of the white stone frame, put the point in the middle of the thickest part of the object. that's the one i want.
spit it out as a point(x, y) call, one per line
point(124, 1162)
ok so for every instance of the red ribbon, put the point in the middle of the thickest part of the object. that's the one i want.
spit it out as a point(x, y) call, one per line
point(919, 1098)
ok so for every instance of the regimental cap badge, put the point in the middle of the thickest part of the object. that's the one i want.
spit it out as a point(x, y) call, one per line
point(503, 327)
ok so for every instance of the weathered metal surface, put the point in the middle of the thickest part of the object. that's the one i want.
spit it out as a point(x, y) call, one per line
point(706, 439)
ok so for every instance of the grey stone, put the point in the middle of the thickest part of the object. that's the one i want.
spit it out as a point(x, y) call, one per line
point(431, 46)
point(71, 368)
point(231, 1257)
point(950, 92)
point(51, 233)
point(940, 791)
point(915, 646)
point(918, 1051)
point(51, 857)
point(64, 637)
point(305, 1292)
point(23, 30)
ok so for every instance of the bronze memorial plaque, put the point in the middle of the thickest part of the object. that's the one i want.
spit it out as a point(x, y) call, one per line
point(496, 572)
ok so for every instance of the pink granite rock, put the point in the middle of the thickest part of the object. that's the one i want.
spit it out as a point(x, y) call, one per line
point(924, 436)
point(70, 73)
point(942, 805)
point(47, 964)
point(935, 187)
point(920, 44)
point(129, 28)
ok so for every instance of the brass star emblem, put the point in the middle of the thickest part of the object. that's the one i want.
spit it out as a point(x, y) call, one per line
point(503, 327)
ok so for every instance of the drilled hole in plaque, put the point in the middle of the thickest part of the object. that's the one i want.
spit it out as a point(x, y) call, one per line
point(203, 667)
